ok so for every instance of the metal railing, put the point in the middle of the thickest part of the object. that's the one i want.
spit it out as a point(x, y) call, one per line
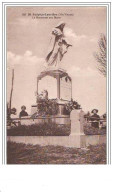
point(44, 119)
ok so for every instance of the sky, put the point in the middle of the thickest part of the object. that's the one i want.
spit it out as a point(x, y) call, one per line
point(28, 39)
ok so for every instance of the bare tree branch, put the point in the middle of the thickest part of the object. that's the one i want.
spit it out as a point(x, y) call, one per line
point(101, 55)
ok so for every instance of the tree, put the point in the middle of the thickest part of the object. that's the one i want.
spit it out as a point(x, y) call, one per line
point(101, 55)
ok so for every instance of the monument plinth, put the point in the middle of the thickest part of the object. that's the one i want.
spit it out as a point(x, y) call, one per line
point(64, 83)
point(58, 84)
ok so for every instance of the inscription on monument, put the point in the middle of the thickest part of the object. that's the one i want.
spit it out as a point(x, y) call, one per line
point(65, 89)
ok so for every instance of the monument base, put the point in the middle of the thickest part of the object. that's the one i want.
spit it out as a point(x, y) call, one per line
point(33, 109)
point(61, 111)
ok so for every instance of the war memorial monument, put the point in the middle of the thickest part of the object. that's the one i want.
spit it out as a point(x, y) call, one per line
point(54, 77)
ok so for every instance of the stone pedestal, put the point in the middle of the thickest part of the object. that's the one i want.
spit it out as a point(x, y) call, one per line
point(62, 87)
point(77, 121)
point(77, 131)
point(63, 82)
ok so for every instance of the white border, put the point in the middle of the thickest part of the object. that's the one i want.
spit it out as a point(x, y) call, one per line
point(57, 179)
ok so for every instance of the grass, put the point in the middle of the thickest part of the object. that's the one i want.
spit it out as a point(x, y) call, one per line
point(18, 153)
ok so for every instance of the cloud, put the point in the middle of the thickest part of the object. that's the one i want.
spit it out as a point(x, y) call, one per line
point(25, 60)
point(80, 72)
point(74, 38)
point(69, 33)
point(28, 53)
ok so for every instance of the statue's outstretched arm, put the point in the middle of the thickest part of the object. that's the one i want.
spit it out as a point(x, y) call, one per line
point(65, 43)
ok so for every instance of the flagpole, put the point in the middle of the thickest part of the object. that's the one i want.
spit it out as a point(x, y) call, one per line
point(10, 103)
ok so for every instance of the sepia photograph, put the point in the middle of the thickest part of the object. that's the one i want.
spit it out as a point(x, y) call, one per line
point(56, 84)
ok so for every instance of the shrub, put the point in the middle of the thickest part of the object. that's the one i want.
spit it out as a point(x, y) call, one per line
point(42, 129)
point(71, 105)
point(88, 130)
point(48, 107)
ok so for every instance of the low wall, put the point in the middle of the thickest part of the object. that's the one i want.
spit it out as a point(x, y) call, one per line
point(77, 141)
point(95, 139)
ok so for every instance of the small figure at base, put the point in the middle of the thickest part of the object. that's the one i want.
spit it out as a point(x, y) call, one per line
point(95, 118)
point(23, 112)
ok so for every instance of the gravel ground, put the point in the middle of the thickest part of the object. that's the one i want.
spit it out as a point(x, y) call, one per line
point(18, 153)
